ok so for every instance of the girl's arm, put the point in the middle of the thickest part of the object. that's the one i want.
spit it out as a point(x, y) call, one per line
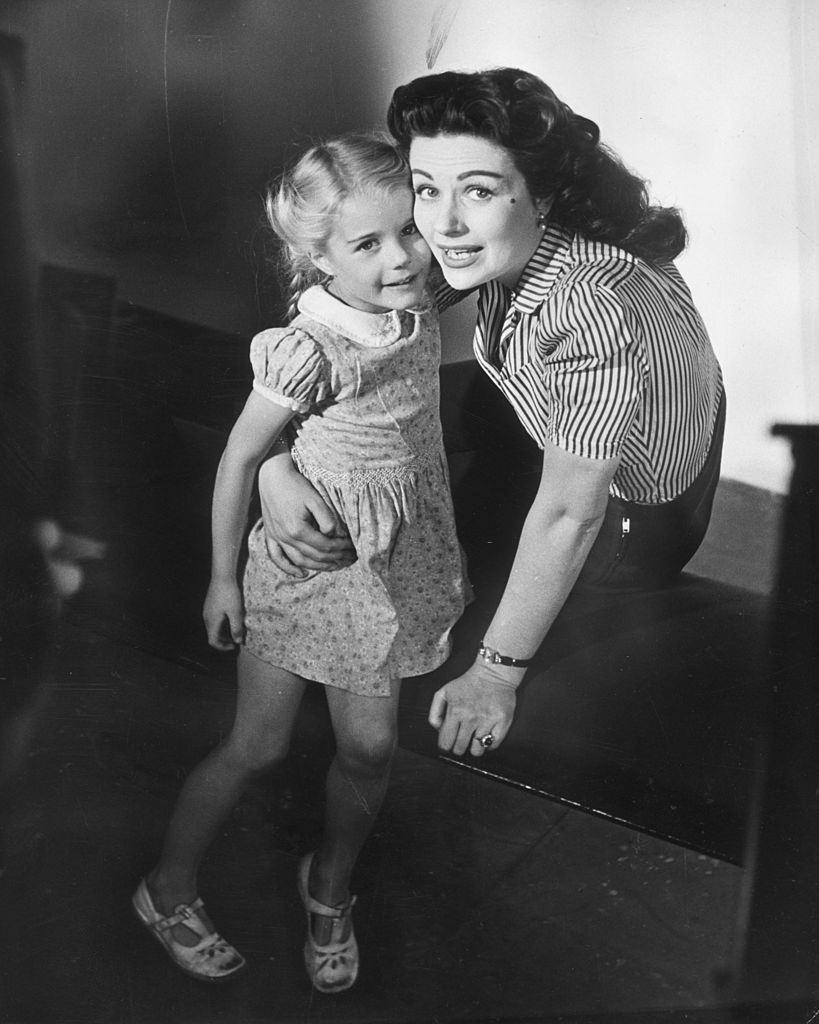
point(558, 534)
point(259, 424)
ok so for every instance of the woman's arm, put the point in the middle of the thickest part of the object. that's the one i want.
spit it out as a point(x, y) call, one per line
point(558, 534)
point(259, 424)
point(302, 531)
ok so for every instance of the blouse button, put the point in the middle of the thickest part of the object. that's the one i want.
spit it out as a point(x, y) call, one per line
point(515, 316)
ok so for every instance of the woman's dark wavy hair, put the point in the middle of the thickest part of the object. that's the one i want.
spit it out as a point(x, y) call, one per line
point(558, 153)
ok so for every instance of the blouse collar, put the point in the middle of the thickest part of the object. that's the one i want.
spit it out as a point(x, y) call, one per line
point(374, 330)
point(543, 268)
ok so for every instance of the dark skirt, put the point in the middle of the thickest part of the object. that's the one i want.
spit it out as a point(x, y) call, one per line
point(642, 546)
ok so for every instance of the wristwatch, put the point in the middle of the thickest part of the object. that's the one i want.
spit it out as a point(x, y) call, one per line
point(493, 657)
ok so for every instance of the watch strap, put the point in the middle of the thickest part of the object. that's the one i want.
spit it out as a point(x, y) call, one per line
point(493, 657)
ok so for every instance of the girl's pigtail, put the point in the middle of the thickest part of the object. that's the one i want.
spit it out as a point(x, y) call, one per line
point(299, 282)
point(299, 216)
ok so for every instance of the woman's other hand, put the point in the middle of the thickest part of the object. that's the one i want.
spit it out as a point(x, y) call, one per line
point(479, 703)
point(223, 613)
point(302, 532)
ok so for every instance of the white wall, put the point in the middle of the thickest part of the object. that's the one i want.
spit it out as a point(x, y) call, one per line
point(714, 101)
point(716, 104)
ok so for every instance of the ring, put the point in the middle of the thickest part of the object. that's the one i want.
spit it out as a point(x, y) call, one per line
point(487, 740)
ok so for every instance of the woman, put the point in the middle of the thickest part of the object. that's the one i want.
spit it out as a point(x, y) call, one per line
point(590, 332)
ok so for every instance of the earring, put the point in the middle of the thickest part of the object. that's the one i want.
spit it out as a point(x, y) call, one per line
point(541, 220)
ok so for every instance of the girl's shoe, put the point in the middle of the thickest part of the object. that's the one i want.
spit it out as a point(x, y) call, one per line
point(211, 959)
point(334, 967)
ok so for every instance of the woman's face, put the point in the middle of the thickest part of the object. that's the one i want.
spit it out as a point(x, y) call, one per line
point(474, 208)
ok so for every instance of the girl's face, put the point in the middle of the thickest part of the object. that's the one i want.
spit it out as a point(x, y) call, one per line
point(375, 254)
point(474, 208)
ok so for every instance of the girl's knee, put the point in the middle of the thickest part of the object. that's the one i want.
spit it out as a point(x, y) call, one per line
point(252, 758)
point(371, 754)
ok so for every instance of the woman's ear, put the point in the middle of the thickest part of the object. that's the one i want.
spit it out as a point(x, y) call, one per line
point(545, 205)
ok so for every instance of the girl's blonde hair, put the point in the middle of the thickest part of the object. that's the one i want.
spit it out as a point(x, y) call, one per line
point(302, 203)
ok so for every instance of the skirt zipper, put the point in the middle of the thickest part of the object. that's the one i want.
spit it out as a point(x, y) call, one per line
point(625, 530)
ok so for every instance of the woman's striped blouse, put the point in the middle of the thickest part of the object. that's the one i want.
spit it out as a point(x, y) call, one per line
point(605, 355)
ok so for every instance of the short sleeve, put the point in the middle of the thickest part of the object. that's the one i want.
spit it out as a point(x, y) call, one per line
point(596, 374)
point(289, 368)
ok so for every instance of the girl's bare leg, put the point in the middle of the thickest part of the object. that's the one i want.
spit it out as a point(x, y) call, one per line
point(267, 701)
point(366, 730)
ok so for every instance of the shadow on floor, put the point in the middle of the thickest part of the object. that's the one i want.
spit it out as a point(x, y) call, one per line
point(478, 901)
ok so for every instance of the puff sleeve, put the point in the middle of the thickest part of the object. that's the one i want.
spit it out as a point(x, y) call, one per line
point(289, 368)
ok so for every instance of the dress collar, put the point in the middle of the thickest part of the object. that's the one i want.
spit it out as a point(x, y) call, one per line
point(543, 268)
point(373, 330)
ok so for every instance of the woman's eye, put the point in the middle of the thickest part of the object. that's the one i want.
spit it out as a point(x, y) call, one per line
point(410, 229)
point(479, 192)
point(425, 191)
point(367, 246)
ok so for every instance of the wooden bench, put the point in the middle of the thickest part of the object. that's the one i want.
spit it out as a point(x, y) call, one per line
point(643, 708)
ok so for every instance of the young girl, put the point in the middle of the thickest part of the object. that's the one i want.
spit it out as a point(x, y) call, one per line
point(357, 373)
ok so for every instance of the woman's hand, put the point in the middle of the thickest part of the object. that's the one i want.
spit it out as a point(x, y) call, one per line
point(480, 702)
point(223, 613)
point(301, 530)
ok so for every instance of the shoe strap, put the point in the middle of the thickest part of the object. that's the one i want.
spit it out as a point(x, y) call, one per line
point(322, 910)
point(185, 914)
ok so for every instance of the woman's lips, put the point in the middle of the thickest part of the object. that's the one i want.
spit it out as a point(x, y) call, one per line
point(460, 256)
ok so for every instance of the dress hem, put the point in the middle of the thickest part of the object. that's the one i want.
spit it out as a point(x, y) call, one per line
point(433, 664)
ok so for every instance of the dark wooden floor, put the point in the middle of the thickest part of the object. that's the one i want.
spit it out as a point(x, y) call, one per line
point(478, 901)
